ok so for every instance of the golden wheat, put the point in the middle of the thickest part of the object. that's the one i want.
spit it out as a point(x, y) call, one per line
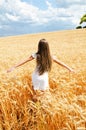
point(64, 107)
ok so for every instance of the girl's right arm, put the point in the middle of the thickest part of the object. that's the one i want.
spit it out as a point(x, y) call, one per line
point(20, 64)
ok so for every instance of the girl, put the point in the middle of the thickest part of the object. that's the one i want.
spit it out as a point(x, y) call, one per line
point(43, 66)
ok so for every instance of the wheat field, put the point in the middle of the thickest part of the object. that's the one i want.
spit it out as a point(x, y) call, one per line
point(64, 106)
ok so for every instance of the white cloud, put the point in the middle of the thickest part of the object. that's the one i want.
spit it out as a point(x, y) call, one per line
point(1, 2)
point(69, 2)
point(76, 1)
point(0, 27)
point(77, 11)
point(12, 17)
point(23, 12)
point(15, 10)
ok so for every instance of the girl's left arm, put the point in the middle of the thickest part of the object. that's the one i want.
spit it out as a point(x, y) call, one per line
point(62, 64)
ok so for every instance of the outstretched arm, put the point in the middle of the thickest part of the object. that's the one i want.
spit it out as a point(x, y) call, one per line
point(20, 64)
point(62, 64)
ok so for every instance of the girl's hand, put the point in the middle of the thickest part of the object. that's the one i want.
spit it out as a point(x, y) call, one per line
point(11, 69)
point(71, 70)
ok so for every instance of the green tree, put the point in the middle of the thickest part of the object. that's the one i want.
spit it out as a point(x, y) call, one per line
point(83, 19)
point(78, 27)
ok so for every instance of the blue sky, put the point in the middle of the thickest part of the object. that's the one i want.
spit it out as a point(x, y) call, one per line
point(34, 16)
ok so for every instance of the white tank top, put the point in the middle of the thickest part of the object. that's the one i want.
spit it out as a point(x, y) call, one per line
point(40, 82)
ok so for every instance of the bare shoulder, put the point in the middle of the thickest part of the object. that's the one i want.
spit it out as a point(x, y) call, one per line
point(54, 57)
point(34, 55)
point(30, 58)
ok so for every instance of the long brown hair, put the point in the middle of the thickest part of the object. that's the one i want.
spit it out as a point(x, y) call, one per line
point(44, 60)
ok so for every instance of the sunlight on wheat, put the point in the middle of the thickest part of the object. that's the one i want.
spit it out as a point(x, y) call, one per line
point(61, 108)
